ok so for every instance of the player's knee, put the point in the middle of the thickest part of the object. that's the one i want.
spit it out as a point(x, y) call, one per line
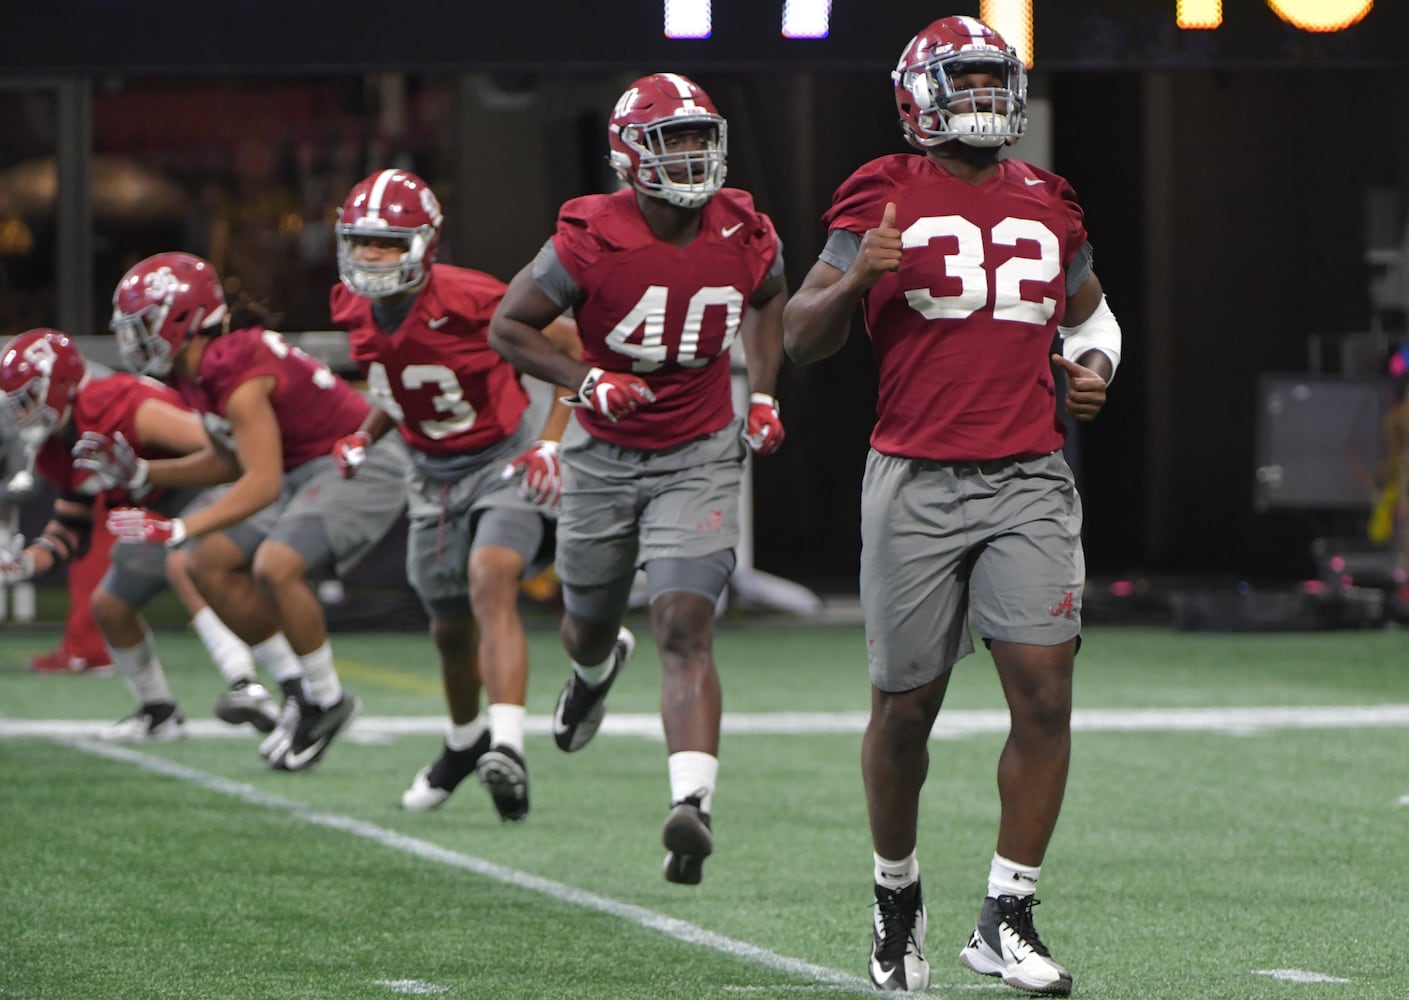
point(208, 563)
point(109, 611)
point(494, 579)
point(276, 567)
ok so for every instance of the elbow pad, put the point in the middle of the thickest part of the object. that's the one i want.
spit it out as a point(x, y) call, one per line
point(1100, 332)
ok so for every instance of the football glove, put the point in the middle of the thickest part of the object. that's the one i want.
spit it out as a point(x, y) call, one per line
point(16, 565)
point(350, 452)
point(763, 428)
point(137, 524)
point(110, 462)
point(612, 394)
point(542, 471)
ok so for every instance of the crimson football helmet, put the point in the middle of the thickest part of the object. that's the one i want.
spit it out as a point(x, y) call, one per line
point(160, 304)
point(40, 373)
point(648, 110)
point(932, 111)
point(390, 204)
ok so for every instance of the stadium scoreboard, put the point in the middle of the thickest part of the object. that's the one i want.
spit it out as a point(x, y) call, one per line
point(321, 36)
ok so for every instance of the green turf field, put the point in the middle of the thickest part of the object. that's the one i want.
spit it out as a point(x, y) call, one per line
point(1236, 827)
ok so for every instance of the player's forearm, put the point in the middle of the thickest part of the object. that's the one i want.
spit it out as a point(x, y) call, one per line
point(556, 425)
point(527, 349)
point(377, 423)
point(817, 321)
point(762, 337)
point(248, 496)
point(207, 467)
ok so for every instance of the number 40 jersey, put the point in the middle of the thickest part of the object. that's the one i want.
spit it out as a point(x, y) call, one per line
point(667, 313)
point(436, 374)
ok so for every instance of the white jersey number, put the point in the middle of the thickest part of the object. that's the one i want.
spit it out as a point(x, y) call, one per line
point(459, 414)
point(651, 349)
point(967, 264)
point(323, 376)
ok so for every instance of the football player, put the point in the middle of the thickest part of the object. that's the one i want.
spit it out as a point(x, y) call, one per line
point(965, 266)
point(661, 276)
point(419, 331)
point(49, 397)
point(277, 413)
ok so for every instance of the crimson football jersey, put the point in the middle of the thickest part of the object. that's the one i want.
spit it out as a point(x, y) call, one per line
point(448, 390)
point(669, 314)
point(106, 406)
point(313, 406)
point(962, 333)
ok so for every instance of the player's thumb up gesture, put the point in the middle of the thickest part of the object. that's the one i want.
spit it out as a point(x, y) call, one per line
point(1086, 389)
point(880, 250)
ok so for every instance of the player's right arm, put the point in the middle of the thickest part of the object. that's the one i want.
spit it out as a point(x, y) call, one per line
point(817, 319)
point(63, 538)
point(350, 450)
point(516, 332)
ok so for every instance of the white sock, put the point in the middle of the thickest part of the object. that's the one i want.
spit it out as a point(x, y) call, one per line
point(691, 773)
point(231, 656)
point(141, 671)
point(506, 726)
point(896, 874)
point(320, 678)
point(1009, 878)
point(595, 673)
point(466, 736)
point(278, 657)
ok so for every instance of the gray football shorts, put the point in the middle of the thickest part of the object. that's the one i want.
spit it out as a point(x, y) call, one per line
point(624, 508)
point(330, 521)
point(449, 519)
point(137, 571)
point(1000, 541)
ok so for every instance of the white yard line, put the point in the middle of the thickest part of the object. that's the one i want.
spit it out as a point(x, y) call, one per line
point(953, 724)
point(670, 926)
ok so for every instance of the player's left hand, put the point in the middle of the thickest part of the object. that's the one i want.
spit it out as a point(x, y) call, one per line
point(1086, 390)
point(763, 428)
point(111, 461)
point(542, 471)
point(137, 524)
point(16, 565)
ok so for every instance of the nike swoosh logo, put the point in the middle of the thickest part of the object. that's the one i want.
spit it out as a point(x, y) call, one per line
point(876, 976)
point(726, 233)
point(436, 324)
point(1030, 181)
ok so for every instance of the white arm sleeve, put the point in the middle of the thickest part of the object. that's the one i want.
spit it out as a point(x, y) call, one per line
point(1100, 332)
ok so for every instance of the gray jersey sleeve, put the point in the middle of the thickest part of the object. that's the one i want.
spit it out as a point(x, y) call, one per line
point(842, 247)
point(1079, 270)
point(554, 279)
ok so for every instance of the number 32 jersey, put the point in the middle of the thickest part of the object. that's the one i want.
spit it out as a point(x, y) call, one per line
point(962, 333)
point(668, 314)
point(436, 375)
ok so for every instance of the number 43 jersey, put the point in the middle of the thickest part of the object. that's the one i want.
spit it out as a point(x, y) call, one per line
point(436, 374)
point(666, 313)
point(963, 332)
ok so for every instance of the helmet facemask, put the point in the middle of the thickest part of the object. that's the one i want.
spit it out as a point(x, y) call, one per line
point(27, 415)
point(983, 116)
point(142, 349)
point(378, 280)
point(703, 170)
